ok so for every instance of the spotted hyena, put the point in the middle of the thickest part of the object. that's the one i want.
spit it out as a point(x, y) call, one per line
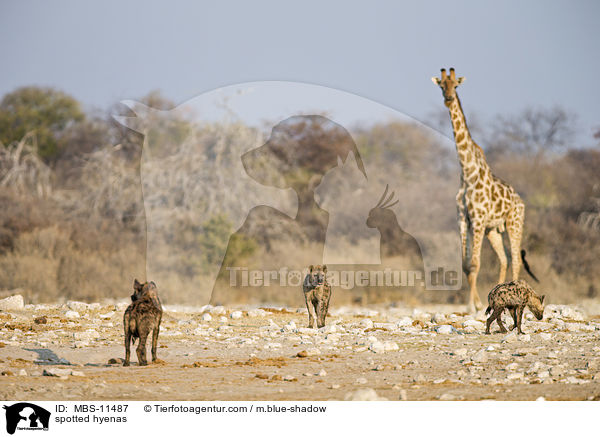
point(515, 296)
point(142, 316)
point(317, 293)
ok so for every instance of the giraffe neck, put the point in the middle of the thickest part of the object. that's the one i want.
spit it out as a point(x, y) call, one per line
point(470, 154)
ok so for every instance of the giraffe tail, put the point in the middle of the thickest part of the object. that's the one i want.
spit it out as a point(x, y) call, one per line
point(526, 265)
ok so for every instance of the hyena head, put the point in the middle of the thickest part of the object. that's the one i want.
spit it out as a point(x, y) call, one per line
point(536, 305)
point(146, 291)
point(316, 275)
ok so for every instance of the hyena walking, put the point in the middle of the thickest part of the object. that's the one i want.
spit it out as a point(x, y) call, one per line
point(142, 316)
point(515, 296)
point(317, 293)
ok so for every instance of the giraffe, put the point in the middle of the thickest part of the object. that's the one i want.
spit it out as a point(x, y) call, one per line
point(486, 204)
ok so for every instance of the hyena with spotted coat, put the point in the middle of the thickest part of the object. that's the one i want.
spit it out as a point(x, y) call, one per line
point(317, 293)
point(142, 316)
point(514, 296)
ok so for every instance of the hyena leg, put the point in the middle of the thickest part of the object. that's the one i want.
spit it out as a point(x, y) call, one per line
point(141, 349)
point(311, 311)
point(127, 343)
point(154, 342)
point(321, 312)
point(519, 318)
point(499, 320)
point(495, 315)
point(513, 313)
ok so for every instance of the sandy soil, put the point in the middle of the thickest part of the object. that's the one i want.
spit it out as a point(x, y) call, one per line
point(428, 353)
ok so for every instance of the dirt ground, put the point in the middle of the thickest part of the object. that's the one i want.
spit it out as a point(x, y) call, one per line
point(62, 352)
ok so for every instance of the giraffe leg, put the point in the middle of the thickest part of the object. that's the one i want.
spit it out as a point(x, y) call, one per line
point(514, 226)
point(474, 301)
point(495, 238)
point(464, 230)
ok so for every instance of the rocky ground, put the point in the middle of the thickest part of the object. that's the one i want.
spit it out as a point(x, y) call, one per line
point(74, 351)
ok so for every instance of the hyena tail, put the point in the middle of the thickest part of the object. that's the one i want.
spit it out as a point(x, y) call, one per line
point(489, 310)
point(526, 265)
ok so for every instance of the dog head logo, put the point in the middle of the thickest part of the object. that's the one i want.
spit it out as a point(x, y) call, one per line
point(26, 416)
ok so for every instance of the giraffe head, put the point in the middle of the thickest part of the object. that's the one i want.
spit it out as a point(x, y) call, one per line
point(448, 84)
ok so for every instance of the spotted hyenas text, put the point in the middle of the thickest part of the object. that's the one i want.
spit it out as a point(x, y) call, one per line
point(141, 317)
point(514, 296)
point(317, 293)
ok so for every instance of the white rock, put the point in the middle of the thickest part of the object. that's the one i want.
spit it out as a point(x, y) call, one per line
point(377, 347)
point(122, 306)
point(310, 352)
point(480, 357)
point(77, 306)
point(107, 315)
point(545, 336)
point(515, 375)
point(55, 371)
point(72, 314)
point(222, 319)
point(206, 317)
point(445, 329)
point(322, 372)
point(473, 324)
point(90, 334)
point(438, 318)
point(511, 337)
point(543, 374)
point(12, 303)
point(327, 329)
point(525, 338)
point(573, 327)
point(461, 352)
point(512, 366)
point(365, 394)
point(447, 397)
point(236, 315)
point(257, 313)
point(218, 310)
point(535, 367)
point(77, 373)
point(570, 313)
point(22, 372)
point(366, 323)
point(361, 380)
point(290, 327)
point(419, 378)
point(490, 348)
point(390, 346)
point(541, 399)
point(404, 321)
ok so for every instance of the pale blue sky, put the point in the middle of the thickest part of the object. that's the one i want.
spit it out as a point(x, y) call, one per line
point(514, 54)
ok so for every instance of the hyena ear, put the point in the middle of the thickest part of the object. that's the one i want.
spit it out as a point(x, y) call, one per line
point(311, 267)
point(542, 298)
point(153, 284)
point(324, 268)
point(136, 284)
